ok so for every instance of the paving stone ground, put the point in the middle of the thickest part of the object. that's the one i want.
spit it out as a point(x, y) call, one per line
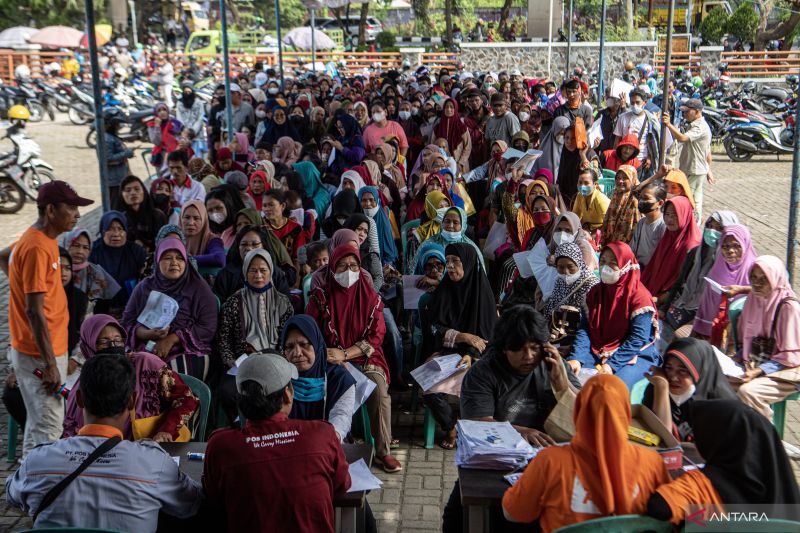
point(413, 499)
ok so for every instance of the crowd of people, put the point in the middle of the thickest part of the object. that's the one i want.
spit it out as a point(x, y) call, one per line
point(555, 253)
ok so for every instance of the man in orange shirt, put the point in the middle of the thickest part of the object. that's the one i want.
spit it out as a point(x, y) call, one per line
point(37, 311)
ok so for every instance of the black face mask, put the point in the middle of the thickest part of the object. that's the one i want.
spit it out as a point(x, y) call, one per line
point(112, 350)
point(646, 207)
point(161, 199)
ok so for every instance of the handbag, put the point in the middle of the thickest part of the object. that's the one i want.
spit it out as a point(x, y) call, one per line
point(675, 317)
point(146, 428)
point(560, 424)
point(761, 347)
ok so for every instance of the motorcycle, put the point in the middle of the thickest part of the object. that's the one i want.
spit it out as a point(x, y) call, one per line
point(136, 131)
point(10, 96)
point(13, 189)
point(26, 155)
point(743, 140)
point(81, 108)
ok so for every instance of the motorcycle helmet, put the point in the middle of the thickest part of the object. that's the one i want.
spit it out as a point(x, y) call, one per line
point(629, 65)
point(792, 79)
point(19, 112)
point(121, 73)
point(22, 72)
point(112, 115)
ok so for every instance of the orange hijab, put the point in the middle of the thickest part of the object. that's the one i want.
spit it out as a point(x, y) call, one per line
point(604, 459)
point(677, 176)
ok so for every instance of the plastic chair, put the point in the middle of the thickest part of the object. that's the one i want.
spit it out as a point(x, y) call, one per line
point(629, 523)
point(734, 310)
point(202, 391)
point(13, 430)
point(307, 287)
point(637, 392)
point(368, 439)
point(779, 413)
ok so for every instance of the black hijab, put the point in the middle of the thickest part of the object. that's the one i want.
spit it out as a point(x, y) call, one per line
point(344, 204)
point(143, 225)
point(228, 195)
point(467, 305)
point(77, 303)
point(709, 381)
point(744, 456)
point(352, 222)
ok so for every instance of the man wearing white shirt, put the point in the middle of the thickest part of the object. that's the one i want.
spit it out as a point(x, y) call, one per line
point(184, 187)
point(645, 126)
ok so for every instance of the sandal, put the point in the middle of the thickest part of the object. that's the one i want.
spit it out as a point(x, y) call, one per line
point(446, 444)
point(394, 444)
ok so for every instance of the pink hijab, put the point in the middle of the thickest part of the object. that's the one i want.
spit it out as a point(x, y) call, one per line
point(756, 317)
point(244, 146)
point(287, 151)
point(196, 245)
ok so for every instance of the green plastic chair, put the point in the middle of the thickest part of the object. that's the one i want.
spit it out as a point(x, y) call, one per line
point(203, 393)
point(368, 438)
point(637, 392)
point(629, 523)
point(407, 227)
point(779, 412)
point(13, 431)
point(307, 287)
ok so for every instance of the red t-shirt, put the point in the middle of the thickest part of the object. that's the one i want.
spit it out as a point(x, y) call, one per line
point(276, 475)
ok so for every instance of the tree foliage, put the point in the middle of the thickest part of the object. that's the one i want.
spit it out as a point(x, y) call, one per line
point(41, 13)
point(713, 27)
point(742, 23)
point(293, 13)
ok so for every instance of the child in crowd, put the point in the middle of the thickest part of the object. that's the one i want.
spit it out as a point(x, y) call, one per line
point(590, 204)
point(651, 226)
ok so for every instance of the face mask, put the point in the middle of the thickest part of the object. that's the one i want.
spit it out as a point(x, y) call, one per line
point(611, 101)
point(637, 109)
point(562, 237)
point(113, 350)
point(670, 196)
point(509, 175)
point(451, 236)
point(347, 279)
point(609, 276)
point(569, 279)
point(161, 198)
point(431, 120)
point(405, 115)
point(497, 156)
point(341, 220)
point(440, 213)
point(415, 111)
point(586, 190)
point(680, 399)
point(559, 139)
point(272, 90)
point(371, 212)
point(646, 207)
point(260, 113)
point(423, 87)
point(540, 219)
point(523, 116)
point(711, 237)
point(216, 217)
point(378, 117)
point(517, 205)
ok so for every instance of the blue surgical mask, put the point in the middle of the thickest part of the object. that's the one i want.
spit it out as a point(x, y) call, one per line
point(586, 190)
point(711, 237)
point(308, 389)
point(451, 236)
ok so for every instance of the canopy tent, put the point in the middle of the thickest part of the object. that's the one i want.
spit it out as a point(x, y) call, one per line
point(16, 36)
point(57, 37)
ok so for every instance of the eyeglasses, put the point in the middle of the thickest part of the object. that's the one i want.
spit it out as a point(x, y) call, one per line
point(108, 343)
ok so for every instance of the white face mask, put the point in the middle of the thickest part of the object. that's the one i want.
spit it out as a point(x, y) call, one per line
point(341, 220)
point(523, 116)
point(431, 120)
point(609, 276)
point(637, 109)
point(272, 90)
point(681, 399)
point(423, 87)
point(371, 212)
point(451, 236)
point(415, 111)
point(347, 279)
point(260, 113)
point(611, 101)
point(559, 139)
point(405, 115)
point(440, 213)
point(561, 237)
point(569, 279)
point(217, 217)
point(378, 117)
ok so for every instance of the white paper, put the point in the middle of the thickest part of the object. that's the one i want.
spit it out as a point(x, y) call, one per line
point(619, 87)
point(491, 446)
point(72, 379)
point(513, 153)
point(498, 235)
point(361, 478)
point(332, 157)
point(586, 374)
point(411, 294)
point(523, 264)
point(513, 478)
point(526, 161)
point(436, 370)
point(298, 215)
point(545, 274)
point(159, 311)
point(235, 368)
point(714, 286)
point(177, 460)
point(595, 133)
point(728, 365)
point(364, 386)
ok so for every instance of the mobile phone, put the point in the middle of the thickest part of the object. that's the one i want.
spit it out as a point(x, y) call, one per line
point(63, 391)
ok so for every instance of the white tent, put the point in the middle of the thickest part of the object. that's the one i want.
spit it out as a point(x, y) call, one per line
point(16, 36)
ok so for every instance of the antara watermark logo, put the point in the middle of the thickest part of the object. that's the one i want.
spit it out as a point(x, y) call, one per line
point(713, 518)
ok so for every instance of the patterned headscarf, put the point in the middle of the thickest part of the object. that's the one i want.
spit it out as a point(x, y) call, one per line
point(575, 293)
point(623, 211)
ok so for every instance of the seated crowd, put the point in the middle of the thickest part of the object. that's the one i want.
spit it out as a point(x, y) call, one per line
point(276, 268)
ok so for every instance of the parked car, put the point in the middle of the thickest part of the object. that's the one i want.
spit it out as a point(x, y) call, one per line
point(371, 31)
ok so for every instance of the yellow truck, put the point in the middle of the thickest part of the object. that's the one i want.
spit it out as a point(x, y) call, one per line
point(699, 10)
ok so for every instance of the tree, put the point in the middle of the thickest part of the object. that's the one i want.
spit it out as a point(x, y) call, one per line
point(712, 28)
point(506, 9)
point(448, 21)
point(293, 13)
point(421, 16)
point(362, 24)
point(742, 23)
point(786, 27)
point(41, 13)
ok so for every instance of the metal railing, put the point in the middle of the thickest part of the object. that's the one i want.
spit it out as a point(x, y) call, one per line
point(689, 60)
point(762, 64)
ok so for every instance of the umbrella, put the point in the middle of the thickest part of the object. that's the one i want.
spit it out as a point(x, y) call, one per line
point(57, 37)
point(102, 32)
point(300, 39)
point(16, 36)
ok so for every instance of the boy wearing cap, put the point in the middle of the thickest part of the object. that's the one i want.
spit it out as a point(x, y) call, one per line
point(695, 156)
point(243, 113)
point(275, 473)
point(37, 311)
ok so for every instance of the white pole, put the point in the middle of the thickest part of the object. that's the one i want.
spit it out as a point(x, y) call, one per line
point(550, 39)
point(313, 45)
point(132, 7)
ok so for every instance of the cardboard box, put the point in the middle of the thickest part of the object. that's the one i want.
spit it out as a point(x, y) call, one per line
point(670, 449)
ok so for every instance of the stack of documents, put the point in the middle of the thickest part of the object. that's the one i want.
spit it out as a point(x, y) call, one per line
point(362, 479)
point(491, 446)
point(436, 370)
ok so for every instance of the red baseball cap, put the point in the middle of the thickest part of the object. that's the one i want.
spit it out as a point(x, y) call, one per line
point(59, 192)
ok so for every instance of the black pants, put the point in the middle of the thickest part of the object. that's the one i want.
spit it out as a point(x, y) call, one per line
point(441, 410)
point(453, 517)
point(226, 395)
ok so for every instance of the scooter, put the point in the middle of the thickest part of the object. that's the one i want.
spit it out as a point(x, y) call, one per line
point(13, 189)
point(27, 156)
point(746, 139)
point(136, 131)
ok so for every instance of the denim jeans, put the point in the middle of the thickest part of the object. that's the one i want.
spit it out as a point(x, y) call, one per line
point(394, 340)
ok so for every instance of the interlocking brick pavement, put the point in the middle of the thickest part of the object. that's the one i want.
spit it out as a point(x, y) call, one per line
point(412, 500)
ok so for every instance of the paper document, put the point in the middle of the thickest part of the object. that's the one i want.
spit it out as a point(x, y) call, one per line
point(513, 153)
point(239, 360)
point(545, 274)
point(523, 262)
point(728, 366)
point(436, 370)
point(491, 446)
point(364, 386)
point(158, 312)
point(513, 478)
point(361, 478)
point(620, 88)
point(72, 379)
point(411, 294)
point(714, 286)
point(595, 133)
point(527, 160)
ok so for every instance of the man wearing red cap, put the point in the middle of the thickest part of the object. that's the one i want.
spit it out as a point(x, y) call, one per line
point(37, 311)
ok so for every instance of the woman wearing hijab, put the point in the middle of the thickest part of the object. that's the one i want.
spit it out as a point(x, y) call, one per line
point(371, 205)
point(681, 236)
point(222, 204)
point(731, 268)
point(186, 342)
point(225, 162)
point(599, 473)
point(419, 205)
point(77, 302)
point(160, 392)
point(493, 171)
point(250, 321)
point(312, 185)
point(288, 231)
point(574, 157)
point(350, 314)
point(287, 151)
point(203, 246)
point(623, 212)
point(241, 149)
point(144, 220)
point(163, 131)
point(459, 318)
point(344, 204)
point(368, 247)
point(454, 230)
point(618, 335)
point(452, 128)
point(258, 184)
point(690, 372)
point(277, 127)
point(121, 258)
point(322, 391)
point(677, 311)
point(387, 155)
point(436, 205)
point(361, 113)
point(745, 464)
point(552, 145)
point(163, 200)
point(573, 283)
point(348, 144)
point(89, 278)
point(769, 330)
point(678, 185)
